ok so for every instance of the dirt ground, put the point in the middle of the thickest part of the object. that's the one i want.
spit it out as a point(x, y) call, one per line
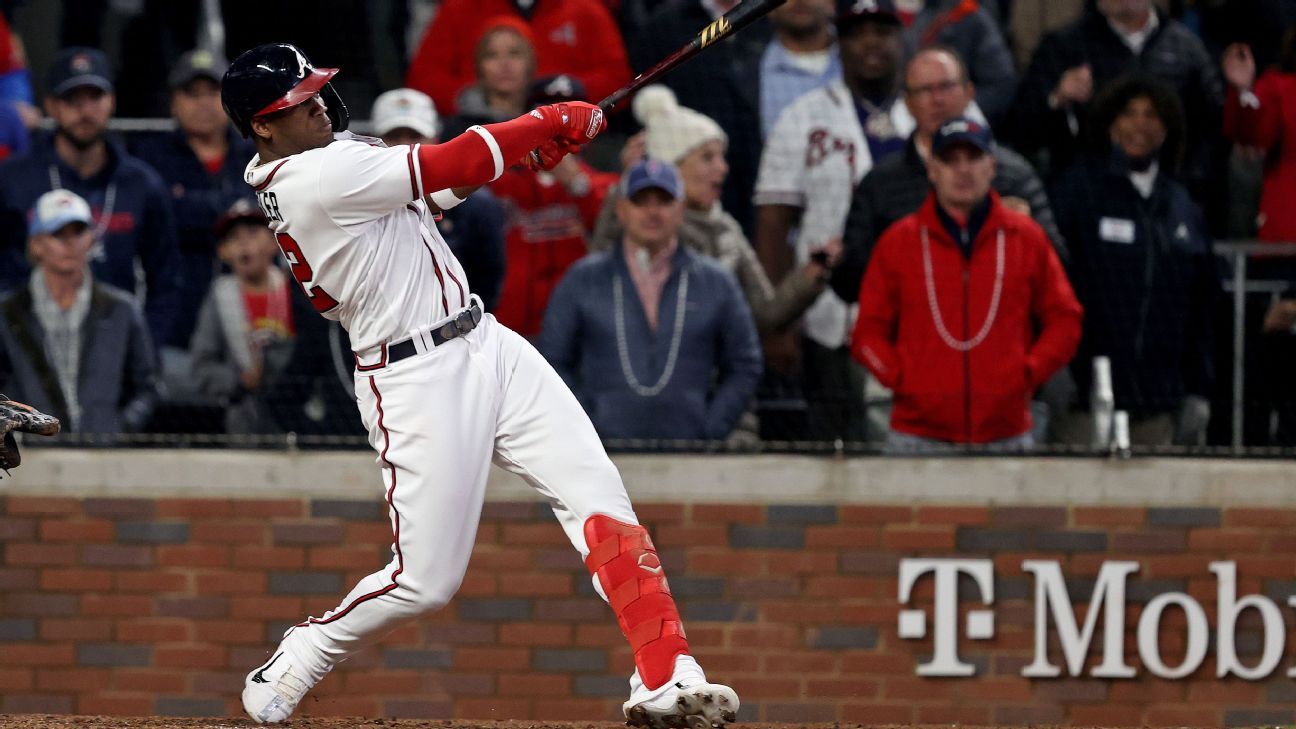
point(36, 721)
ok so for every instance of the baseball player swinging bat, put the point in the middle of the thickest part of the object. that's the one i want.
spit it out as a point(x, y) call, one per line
point(743, 15)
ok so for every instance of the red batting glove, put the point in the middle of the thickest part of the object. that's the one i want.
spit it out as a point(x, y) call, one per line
point(578, 122)
point(548, 155)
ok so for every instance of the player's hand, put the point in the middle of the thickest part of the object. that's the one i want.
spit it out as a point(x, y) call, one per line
point(635, 149)
point(578, 122)
point(548, 155)
point(1239, 66)
point(1075, 87)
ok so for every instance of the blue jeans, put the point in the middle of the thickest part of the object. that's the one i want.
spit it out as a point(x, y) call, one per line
point(904, 444)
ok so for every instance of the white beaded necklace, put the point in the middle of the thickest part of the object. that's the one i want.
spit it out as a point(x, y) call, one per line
point(623, 349)
point(961, 344)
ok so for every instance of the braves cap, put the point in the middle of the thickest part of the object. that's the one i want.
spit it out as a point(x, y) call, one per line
point(197, 64)
point(555, 89)
point(76, 67)
point(962, 130)
point(651, 172)
point(57, 208)
point(405, 108)
point(852, 12)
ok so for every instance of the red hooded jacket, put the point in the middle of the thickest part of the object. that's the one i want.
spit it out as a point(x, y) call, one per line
point(1271, 127)
point(963, 341)
point(577, 37)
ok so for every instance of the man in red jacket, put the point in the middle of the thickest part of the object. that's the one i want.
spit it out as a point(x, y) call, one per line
point(964, 309)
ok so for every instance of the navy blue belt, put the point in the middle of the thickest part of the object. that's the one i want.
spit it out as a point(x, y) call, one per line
point(462, 323)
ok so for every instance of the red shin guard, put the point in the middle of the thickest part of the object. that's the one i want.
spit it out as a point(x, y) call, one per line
point(624, 560)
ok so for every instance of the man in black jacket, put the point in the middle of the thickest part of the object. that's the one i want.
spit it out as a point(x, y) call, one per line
point(936, 89)
point(1052, 113)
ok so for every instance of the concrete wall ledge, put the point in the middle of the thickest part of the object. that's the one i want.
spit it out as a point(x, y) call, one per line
point(751, 479)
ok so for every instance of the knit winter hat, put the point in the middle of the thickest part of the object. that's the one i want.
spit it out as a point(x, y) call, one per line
point(673, 130)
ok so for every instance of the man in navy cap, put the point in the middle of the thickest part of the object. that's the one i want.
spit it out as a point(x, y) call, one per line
point(133, 222)
point(654, 340)
point(965, 309)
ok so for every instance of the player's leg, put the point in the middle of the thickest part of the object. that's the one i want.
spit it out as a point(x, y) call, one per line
point(545, 436)
point(431, 421)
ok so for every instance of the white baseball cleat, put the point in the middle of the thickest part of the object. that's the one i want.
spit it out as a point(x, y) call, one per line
point(272, 691)
point(687, 701)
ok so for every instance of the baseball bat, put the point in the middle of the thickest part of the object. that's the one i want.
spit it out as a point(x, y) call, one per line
point(743, 15)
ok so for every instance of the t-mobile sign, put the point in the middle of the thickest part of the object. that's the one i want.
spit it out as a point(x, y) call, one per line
point(1054, 611)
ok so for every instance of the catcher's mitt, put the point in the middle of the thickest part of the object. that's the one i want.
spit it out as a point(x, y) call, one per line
point(25, 419)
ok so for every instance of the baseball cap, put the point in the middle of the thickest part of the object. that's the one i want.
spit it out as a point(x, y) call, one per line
point(79, 66)
point(555, 90)
point(197, 64)
point(57, 208)
point(961, 130)
point(852, 12)
point(651, 172)
point(242, 211)
point(405, 108)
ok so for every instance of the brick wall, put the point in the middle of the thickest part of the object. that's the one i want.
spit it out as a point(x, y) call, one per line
point(160, 606)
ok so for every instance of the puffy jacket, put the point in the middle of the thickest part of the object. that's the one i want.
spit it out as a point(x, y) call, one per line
point(1271, 126)
point(963, 341)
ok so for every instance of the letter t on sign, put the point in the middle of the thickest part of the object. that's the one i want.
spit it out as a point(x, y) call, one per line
point(912, 623)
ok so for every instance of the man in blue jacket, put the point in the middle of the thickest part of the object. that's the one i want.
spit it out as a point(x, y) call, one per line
point(201, 164)
point(133, 223)
point(656, 341)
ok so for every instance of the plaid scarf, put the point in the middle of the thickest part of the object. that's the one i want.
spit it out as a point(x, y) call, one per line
point(62, 329)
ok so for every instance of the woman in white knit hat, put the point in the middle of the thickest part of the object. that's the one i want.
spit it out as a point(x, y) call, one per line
point(696, 144)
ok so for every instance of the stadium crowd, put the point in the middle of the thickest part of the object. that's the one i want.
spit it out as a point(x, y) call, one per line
point(923, 224)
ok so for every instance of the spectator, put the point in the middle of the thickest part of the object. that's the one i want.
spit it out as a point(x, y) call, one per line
point(133, 219)
point(1142, 266)
point(578, 37)
point(1263, 115)
point(802, 56)
point(971, 31)
point(724, 87)
point(821, 147)
point(675, 356)
point(72, 346)
point(474, 229)
point(505, 65)
point(696, 145)
point(260, 348)
point(936, 89)
point(1114, 37)
point(548, 215)
point(202, 163)
point(965, 309)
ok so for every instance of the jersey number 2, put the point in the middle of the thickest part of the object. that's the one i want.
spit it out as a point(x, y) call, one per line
point(302, 271)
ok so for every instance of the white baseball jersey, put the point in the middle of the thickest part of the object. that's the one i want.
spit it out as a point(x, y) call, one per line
point(359, 238)
point(813, 159)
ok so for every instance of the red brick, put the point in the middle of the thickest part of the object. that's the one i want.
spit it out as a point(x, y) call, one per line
point(878, 663)
point(258, 557)
point(817, 662)
point(608, 634)
point(340, 706)
point(786, 563)
point(79, 530)
point(769, 636)
point(671, 535)
point(490, 659)
point(492, 708)
point(1226, 692)
point(384, 683)
point(848, 537)
point(38, 654)
point(541, 533)
point(369, 559)
point(14, 680)
point(500, 558)
point(477, 583)
point(1259, 517)
point(115, 705)
point(1146, 692)
point(1105, 715)
point(267, 607)
point(230, 632)
point(761, 688)
point(918, 539)
point(1266, 566)
point(724, 562)
point(231, 583)
point(1179, 565)
point(660, 513)
point(728, 664)
point(18, 579)
point(190, 656)
point(917, 689)
point(19, 505)
point(376, 533)
point(150, 680)
point(153, 583)
point(1228, 541)
point(75, 580)
point(155, 630)
point(1183, 716)
point(874, 714)
point(842, 688)
point(535, 634)
point(227, 531)
point(195, 508)
point(534, 684)
point(880, 515)
point(801, 612)
point(522, 584)
point(193, 555)
point(955, 515)
point(1093, 516)
point(72, 680)
point(269, 508)
point(727, 514)
point(76, 629)
point(124, 606)
point(21, 555)
point(570, 709)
